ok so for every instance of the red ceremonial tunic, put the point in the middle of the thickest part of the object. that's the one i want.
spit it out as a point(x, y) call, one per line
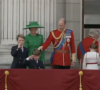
point(86, 44)
point(62, 59)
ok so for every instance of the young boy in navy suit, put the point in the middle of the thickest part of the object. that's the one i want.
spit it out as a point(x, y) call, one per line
point(33, 61)
point(19, 53)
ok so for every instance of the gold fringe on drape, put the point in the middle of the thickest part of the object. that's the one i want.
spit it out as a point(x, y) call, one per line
point(6, 74)
point(80, 74)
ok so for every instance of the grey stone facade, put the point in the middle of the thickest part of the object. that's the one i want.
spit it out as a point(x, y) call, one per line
point(71, 10)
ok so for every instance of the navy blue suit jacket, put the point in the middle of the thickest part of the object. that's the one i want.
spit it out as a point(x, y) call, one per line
point(18, 57)
point(33, 64)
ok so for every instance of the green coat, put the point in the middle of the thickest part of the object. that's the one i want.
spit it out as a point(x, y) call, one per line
point(33, 42)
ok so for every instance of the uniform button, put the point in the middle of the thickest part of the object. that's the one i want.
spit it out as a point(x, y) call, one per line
point(19, 62)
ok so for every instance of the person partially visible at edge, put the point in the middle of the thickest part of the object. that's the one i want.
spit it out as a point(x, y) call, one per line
point(34, 40)
point(84, 45)
point(33, 61)
point(62, 40)
point(19, 53)
point(91, 59)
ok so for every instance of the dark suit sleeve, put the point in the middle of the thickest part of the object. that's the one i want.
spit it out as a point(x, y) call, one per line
point(42, 65)
point(26, 62)
point(14, 51)
point(27, 52)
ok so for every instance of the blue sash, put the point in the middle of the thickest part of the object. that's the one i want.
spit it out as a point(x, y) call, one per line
point(62, 43)
point(81, 48)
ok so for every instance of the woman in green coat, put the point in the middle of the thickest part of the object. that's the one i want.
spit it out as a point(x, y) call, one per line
point(34, 40)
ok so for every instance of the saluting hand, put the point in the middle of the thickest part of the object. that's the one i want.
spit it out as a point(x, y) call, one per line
point(19, 46)
point(31, 57)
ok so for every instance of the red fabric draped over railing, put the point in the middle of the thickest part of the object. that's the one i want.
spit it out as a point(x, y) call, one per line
point(50, 79)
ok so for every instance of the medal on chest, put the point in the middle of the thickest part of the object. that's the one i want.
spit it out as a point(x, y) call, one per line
point(68, 40)
point(68, 36)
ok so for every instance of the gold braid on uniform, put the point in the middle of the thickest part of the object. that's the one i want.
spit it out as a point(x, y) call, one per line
point(65, 38)
point(62, 35)
point(94, 41)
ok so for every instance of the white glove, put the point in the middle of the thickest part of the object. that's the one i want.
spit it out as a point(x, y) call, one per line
point(40, 48)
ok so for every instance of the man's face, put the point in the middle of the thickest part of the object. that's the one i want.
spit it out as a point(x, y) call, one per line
point(61, 25)
point(21, 41)
point(36, 57)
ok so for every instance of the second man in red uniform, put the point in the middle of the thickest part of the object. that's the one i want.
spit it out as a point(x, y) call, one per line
point(84, 45)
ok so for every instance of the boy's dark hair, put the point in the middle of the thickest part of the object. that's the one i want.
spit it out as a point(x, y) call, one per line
point(36, 52)
point(21, 36)
point(93, 46)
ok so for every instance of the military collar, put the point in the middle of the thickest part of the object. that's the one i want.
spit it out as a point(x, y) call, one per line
point(62, 31)
point(90, 36)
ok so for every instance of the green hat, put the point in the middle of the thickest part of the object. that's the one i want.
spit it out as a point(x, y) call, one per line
point(32, 25)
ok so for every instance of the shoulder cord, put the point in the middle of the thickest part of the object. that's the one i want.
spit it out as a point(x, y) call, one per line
point(62, 35)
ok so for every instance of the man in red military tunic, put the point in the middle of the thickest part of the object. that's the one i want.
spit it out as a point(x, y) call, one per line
point(63, 41)
point(83, 46)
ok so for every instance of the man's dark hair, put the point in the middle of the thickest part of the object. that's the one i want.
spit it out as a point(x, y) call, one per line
point(21, 36)
point(36, 52)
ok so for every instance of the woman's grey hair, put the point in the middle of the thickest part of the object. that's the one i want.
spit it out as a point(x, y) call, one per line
point(95, 32)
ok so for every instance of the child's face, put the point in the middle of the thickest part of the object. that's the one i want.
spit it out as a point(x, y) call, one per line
point(36, 57)
point(21, 41)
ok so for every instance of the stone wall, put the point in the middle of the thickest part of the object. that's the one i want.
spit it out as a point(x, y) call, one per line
point(0, 20)
point(74, 19)
point(72, 11)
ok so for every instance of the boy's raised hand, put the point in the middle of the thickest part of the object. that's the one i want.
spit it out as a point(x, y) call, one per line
point(31, 57)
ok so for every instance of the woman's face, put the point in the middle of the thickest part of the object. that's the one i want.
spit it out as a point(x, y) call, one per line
point(33, 30)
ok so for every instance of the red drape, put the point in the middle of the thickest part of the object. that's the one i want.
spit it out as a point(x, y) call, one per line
point(30, 79)
point(91, 80)
point(2, 80)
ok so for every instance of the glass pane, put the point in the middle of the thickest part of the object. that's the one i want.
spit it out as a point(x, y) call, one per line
point(91, 12)
point(91, 6)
